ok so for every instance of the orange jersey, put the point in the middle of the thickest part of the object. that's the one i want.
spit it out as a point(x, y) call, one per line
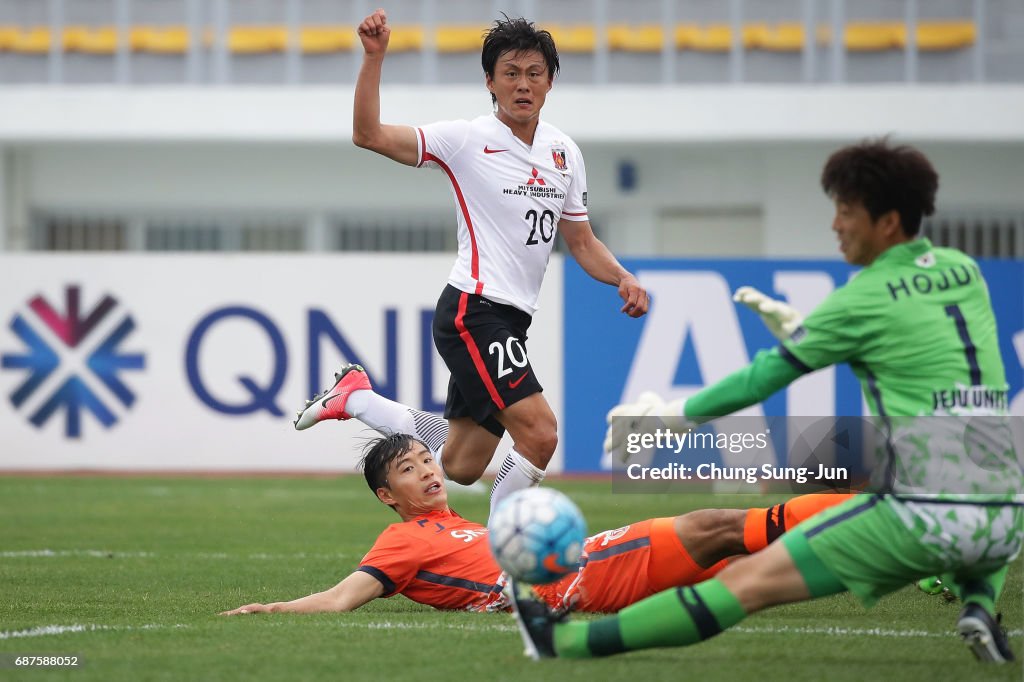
point(622, 566)
point(442, 560)
point(439, 559)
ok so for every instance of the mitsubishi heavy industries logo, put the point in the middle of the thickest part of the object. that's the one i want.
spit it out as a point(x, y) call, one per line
point(67, 365)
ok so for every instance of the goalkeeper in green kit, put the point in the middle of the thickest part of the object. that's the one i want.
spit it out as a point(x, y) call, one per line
point(918, 330)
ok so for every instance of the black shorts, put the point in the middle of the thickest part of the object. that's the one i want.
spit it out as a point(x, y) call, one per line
point(484, 345)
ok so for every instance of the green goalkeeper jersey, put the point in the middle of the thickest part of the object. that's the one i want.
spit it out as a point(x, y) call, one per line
point(917, 328)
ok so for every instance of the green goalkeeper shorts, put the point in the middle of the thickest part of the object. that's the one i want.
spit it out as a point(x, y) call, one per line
point(866, 546)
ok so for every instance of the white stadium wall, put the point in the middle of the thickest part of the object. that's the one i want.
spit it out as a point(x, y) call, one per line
point(206, 358)
point(777, 183)
point(701, 156)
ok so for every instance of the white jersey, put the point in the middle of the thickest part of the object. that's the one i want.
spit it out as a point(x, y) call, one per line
point(509, 198)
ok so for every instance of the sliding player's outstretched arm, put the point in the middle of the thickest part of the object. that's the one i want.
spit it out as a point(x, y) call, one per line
point(394, 142)
point(348, 595)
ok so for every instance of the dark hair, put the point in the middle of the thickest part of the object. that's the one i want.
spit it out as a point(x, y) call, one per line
point(883, 178)
point(517, 35)
point(379, 453)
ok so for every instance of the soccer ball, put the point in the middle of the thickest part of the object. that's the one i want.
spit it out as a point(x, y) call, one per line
point(537, 535)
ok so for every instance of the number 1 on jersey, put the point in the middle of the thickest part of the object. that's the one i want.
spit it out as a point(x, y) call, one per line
point(969, 350)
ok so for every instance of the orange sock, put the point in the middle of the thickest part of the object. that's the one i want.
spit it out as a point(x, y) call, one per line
point(670, 564)
point(712, 572)
point(806, 506)
point(764, 526)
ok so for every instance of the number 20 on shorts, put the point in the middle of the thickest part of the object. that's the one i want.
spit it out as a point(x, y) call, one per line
point(513, 351)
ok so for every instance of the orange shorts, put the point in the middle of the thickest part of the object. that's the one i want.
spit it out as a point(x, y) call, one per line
point(622, 566)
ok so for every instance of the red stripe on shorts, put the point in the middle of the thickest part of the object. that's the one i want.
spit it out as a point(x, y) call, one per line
point(474, 352)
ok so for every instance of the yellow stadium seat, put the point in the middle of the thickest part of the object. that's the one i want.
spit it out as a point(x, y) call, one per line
point(91, 39)
point(257, 39)
point(460, 38)
point(786, 37)
point(406, 38)
point(326, 39)
point(636, 38)
point(30, 40)
point(7, 36)
point(161, 40)
point(872, 37)
point(945, 35)
point(712, 38)
point(574, 38)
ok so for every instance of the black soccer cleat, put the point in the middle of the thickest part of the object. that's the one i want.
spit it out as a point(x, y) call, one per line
point(984, 635)
point(536, 622)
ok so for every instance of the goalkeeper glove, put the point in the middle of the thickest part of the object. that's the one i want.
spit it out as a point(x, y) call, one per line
point(648, 404)
point(781, 319)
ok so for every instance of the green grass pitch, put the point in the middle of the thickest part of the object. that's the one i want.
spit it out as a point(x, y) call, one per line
point(129, 574)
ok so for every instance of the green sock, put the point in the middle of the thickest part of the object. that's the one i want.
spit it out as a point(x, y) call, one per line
point(677, 617)
point(983, 591)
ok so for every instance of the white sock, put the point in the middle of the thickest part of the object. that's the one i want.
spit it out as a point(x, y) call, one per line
point(387, 416)
point(515, 473)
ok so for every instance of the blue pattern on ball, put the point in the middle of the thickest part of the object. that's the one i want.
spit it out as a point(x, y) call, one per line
point(536, 535)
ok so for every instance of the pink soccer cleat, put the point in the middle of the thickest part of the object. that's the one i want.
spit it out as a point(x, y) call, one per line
point(331, 403)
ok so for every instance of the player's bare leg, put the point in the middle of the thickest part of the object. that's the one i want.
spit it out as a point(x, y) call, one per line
point(533, 428)
point(708, 538)
point(768, 578)
point(468, 450)
point(534, 431)
point(711, 535)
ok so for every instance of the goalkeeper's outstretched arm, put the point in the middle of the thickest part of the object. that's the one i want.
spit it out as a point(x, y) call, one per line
point(770, 371)
point(781, 318)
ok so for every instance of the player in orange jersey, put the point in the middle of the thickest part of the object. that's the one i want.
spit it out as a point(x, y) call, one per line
point(436, 557)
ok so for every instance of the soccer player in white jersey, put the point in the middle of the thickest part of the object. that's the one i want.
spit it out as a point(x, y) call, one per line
point(516, 181)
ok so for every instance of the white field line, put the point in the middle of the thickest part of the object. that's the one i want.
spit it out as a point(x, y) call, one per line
point(48, 630)
point(851, 632)
point(887, 633)
point(117, 554)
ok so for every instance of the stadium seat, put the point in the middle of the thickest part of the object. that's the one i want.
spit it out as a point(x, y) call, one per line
point(636, 38)
point(91, 39)
point(710, 38)
point(405, 38)
point(326, 39)
point(460, 38)
point(574, 38)
point(787, 37)
point(945, 35)
point(257, 39)
point(161, 40)
point(29, 40)
point(872, 37)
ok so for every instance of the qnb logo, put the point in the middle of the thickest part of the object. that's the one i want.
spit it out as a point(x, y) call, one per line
point(68, 365)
